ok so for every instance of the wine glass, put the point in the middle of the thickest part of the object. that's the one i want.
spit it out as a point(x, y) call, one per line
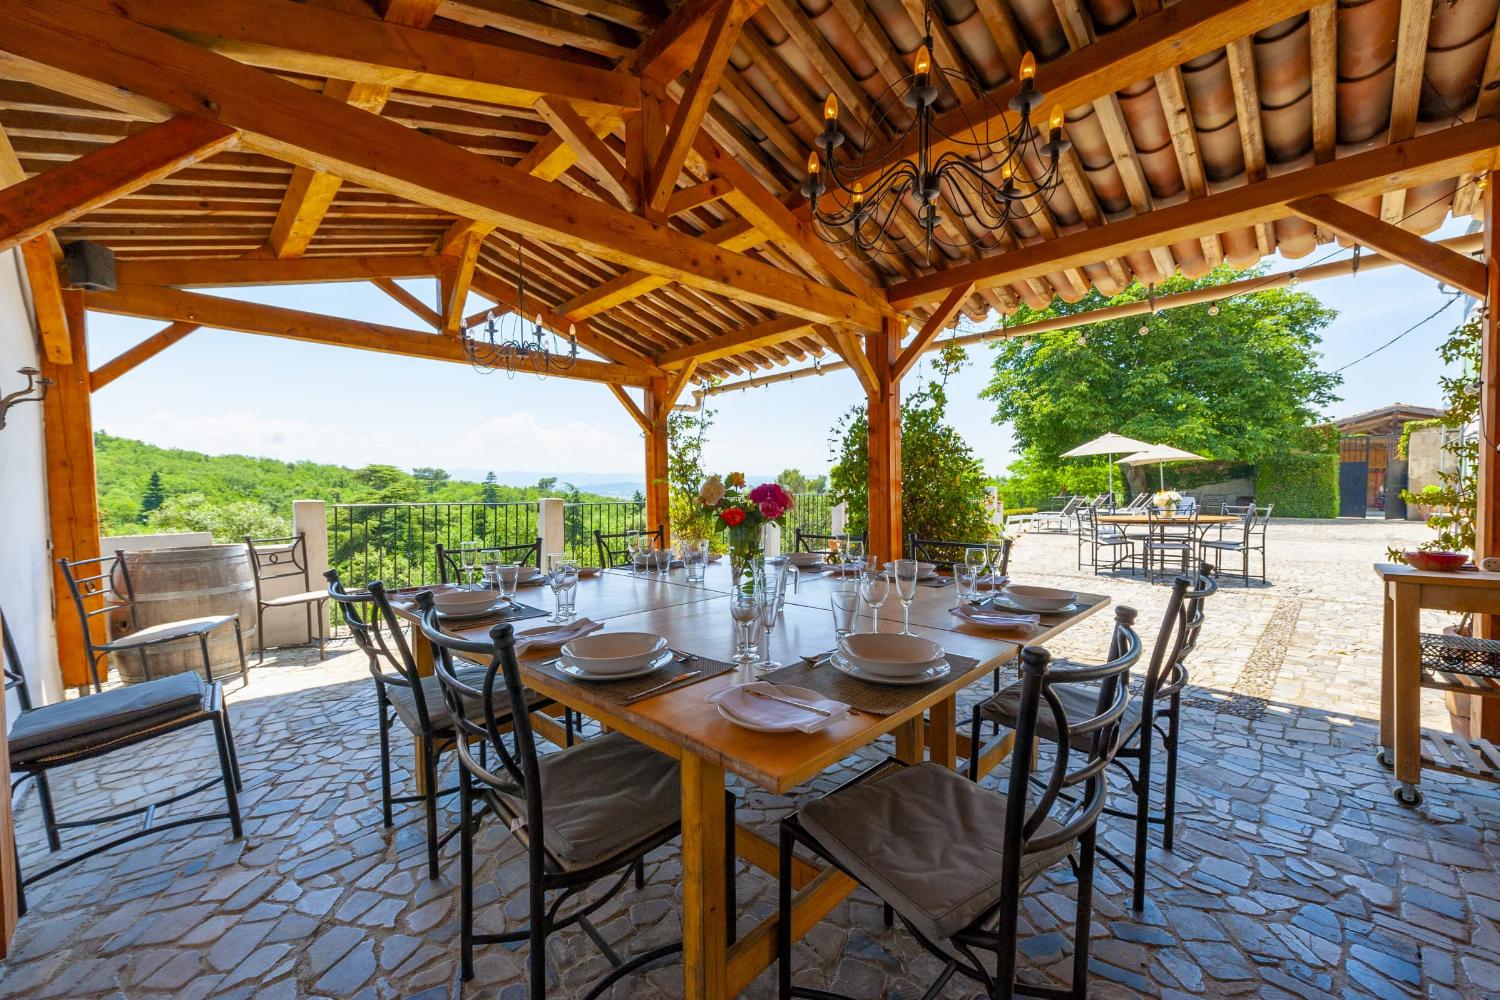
point(854, 554)
point(468, 560)
point(633, 549)
point(744, 612)
point(562, 577)
point(489, 561)
point(905, 571)
point(770, 575)
point(874, 587)
point(976, 560)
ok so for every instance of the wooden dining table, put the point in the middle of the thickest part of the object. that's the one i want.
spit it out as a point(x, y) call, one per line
point(683, 724)
point(1140, 520)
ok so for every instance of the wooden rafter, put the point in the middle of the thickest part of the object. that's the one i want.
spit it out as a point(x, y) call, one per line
point(848, 347)
point(773, 331)
point(414, 305)
point(172, 305)
point(1406, 89)
point(69, 48)
point(674, 45)
point(35, 206)
point(1458, 270)
point(593, 154)
point(47, 301)
point(1439, 155)
point(455, 278)
point(941, 317)
point(631, 408)
point(132, 357)
point(723, 29)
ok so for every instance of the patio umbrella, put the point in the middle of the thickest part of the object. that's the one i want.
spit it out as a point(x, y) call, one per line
point(1110, 444)
point(1161, 454)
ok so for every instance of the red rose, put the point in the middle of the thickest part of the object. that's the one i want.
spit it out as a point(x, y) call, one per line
point(732, 516)
point(770, 510)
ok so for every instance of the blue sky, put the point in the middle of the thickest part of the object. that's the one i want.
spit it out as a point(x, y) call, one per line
point(224, 392)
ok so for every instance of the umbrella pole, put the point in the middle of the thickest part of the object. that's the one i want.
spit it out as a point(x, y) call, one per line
point(1161, 473)
point(1110, 461)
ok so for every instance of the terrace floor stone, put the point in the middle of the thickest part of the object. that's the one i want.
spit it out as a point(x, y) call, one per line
point(1295, 873)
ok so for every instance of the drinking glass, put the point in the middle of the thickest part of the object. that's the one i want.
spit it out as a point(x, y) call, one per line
point(507, 577)
point(854, 554)
point(905, 572)
point(844, 601)
point(694, 559)
point(489, 560)
point(633, 549)
point(966, 577)
point(562, 577)
point(745, 614)
point(770, 577)
point(661, 559)
point(468, 560)
point(874, 587)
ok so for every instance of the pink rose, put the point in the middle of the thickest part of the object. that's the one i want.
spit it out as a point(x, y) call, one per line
point(762, 493)
point(770, 510)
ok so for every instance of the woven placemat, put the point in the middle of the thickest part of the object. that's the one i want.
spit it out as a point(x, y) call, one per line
point(936, 582)
point(621, 690)
point(863, 696)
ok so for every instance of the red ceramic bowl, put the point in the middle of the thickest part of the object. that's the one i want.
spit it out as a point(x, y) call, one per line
point(1442, 562)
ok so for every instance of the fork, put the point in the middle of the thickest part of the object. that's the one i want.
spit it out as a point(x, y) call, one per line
point(682, 655)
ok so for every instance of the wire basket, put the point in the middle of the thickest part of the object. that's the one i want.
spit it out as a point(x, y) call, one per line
point(1459, 654)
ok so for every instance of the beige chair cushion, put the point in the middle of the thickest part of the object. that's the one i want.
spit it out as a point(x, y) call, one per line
point(1079, 701)
point(306, 597)
point(603, 796)
point(926, 840)
point(167, 631)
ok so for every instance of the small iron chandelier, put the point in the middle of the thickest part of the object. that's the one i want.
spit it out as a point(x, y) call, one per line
point(988, 182)
point(501, 340)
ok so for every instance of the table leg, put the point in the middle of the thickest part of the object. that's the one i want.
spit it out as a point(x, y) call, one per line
point(1407, 684)
point(909, 739)
point(705, 959)
point(1387, 670)
point(942, 736)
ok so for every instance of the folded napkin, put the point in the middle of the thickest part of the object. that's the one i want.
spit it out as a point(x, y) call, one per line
point(996, 619)
point(554, 635)
point(762, 712)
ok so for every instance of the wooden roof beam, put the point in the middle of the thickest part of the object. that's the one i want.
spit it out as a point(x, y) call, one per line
point(1406, 89)
point(852, 351)
point(292, 324)
point(593, 154)
point(65, 192)
point(132, 357)
point(414, 305)
point(226, 273)
point(941, 317)
point(674, 46)
point(1451, 268)
point(713, 56)
point(775, 331)
point(104, 57)
point(455, 277)
point(1465, 148)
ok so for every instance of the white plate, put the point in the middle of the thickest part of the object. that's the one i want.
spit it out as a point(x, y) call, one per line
point(497, 607)
point(572, 670)
point(930, 674)
point(800, 693)
point(1001, 601)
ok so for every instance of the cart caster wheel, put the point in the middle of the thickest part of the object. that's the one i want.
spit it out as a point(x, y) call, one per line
point(1384, 758)
point(1408, 795)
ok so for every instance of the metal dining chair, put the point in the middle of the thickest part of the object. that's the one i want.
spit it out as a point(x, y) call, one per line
point(46, 737)
point(941, 552)
point(1107, 538)
point(526, 554)
point(611, 555)
point(276, 559)
point(1250, 537)
point(586, 814)
point(104, 581)
point(806, 541)
point(1169, 537)
point(964, 900)
point(1151, 721)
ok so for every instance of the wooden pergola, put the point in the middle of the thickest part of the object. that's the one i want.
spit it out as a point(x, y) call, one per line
point(649, 156)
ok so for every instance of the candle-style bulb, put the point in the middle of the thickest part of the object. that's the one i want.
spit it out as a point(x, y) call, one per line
point(1028, 67)
point(1056, 122)
point(812, 163)
point(831, 108)
point(859, 194)
point(924, 61)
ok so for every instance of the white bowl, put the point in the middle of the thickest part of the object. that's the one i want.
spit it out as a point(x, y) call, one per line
point(890, 653)
point(461, 602)
point(802, 560)
point(1040, 599)
point(613, 652)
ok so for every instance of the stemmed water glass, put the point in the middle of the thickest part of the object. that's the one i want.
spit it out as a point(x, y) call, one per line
point(905, 571)
point(874, 587)
point(854, 554)
point(489, 560)
point(468, 560)
point(743, 610)
point(562, 577)
point(770, 577)
point(633, 549)
point(977, 560)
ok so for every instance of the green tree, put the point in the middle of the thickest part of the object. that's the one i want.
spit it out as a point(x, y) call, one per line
point(1234, 385)
point(153, 497)
point(796, 482)
point(546, 485)
point(491, 494)
point(685, 472)
point(229, 522)
point(942, 483)
point(433, 477)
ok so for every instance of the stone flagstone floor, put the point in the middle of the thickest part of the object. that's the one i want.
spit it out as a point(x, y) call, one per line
point(1295, 875)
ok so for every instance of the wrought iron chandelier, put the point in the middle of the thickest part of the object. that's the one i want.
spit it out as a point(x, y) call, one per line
point(501, 340)
point(999, 169)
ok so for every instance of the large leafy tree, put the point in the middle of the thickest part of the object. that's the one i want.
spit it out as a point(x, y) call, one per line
point(942, 482)
point(1234, 385)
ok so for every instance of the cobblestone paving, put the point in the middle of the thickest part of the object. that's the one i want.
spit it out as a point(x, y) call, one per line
point(1295, 873)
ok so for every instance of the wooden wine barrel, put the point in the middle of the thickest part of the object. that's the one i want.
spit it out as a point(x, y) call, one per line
point(179, 583)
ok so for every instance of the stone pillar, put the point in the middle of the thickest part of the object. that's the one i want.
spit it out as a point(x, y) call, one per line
point(549, 524)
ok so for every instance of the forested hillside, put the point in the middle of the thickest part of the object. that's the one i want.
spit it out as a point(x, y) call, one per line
point(146, 488)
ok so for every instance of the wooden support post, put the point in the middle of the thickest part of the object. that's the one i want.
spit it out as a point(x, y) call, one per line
point(658, 498)
point(1485, 712)
point(72, 496)
point(884, 409)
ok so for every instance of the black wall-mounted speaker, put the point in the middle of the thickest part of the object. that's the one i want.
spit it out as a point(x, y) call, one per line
point(91, 266)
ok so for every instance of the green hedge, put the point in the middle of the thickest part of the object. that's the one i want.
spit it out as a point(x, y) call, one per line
point(1299, 484)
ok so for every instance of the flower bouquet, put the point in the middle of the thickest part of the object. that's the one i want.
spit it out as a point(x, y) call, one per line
point(743, 513)
point(1167, 501)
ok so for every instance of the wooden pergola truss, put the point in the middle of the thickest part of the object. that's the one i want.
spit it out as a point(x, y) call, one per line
point(648, 154)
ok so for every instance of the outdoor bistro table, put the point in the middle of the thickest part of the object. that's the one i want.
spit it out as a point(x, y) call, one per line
point(684, 725)
point(1403, 675)
point(1142, 520)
